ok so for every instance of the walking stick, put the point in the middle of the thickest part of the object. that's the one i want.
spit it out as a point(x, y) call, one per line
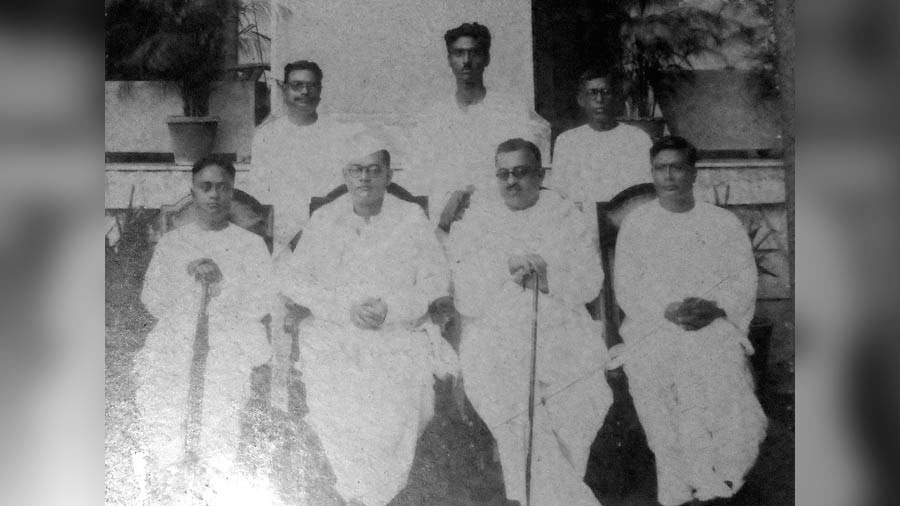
point(195, 388)
point(534, 323)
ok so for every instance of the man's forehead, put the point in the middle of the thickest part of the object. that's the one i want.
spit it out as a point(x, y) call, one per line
point(304, 75)
point(465, 42)
point(212, 174)
point(669, 155)
point(517, 158)
point(376, 157)
point(597, 83)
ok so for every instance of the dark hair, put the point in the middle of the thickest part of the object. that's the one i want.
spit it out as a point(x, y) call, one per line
point(478, 32)
point(613, 75)
point(675, 143)
point(519, 144)
point(208, 162)
point(386, 155)
point(303, 65)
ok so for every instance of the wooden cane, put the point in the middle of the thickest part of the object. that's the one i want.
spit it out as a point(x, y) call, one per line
point(194, 416)
point(534, 326)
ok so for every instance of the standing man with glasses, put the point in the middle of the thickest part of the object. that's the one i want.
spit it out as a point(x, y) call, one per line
point(367, 267)
point(457, 136)
point(497, 252)
point(295, 155)
point(594, 162)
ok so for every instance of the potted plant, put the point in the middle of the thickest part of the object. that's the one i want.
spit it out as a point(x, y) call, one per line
point(191, 43)
point(659, 40)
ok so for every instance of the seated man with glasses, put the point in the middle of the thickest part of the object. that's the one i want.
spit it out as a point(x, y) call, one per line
point(296, 155)
point(497, 252)
point(367, 266)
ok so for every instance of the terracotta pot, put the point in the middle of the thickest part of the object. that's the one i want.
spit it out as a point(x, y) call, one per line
point(192, 137)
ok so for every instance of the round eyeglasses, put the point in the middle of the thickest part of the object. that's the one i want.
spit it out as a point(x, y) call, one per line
point(303, 85)
point(374, 170)
point(517, 173)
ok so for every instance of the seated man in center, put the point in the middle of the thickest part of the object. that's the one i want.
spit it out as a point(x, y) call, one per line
point(367, 266)
point(494, 251)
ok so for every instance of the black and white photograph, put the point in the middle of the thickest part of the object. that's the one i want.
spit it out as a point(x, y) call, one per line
point(449, 253)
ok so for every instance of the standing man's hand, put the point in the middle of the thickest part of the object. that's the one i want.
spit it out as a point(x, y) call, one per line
point(455, 208)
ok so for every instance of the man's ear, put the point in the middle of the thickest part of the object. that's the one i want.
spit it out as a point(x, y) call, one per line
point(580, 99)
point(487, 59)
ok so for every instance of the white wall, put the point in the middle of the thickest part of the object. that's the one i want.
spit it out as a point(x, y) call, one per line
point(135, 116)
point(387, 57)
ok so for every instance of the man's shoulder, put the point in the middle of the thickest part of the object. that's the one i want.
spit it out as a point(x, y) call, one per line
point(633, 135)
point(718, 215)
point(575, 134)
point(407, 211)
point(271, 123)
point(641, 214)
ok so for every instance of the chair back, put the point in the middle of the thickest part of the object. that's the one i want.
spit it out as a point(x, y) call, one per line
point(246, 212)
point(610, 216)
point(393, 188)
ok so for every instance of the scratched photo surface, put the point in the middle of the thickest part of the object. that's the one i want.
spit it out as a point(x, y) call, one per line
point(68, 390)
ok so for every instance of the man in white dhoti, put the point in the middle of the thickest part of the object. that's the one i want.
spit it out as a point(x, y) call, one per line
point(236, 265)
point(456, 138)
point(367, 266)
point(297, 156)
point(685, 277)
point(594, 162)
point(492, 250)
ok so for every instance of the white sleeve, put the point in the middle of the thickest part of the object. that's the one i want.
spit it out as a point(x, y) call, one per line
point(539, 129)
point(736, 294)
point(258, 179)
point(561, 173)
point(432, 278)
point(167, 283)
point(580, 275)
point(303, 281)
point(479, 269)
point(639, 295)
point(261, 294)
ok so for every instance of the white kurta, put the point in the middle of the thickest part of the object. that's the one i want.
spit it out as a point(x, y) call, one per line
point(293, 163)
point(369, 392)
point(572, 395)
point(591, 166)
point(693, 390)
point(455, 147)
point(237, 338)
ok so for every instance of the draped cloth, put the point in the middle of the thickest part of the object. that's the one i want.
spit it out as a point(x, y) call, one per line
point(369, 392)
point(293, 163)
point(693, 390)
point(237, 339)
point(572, 395)
point(456, 147)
